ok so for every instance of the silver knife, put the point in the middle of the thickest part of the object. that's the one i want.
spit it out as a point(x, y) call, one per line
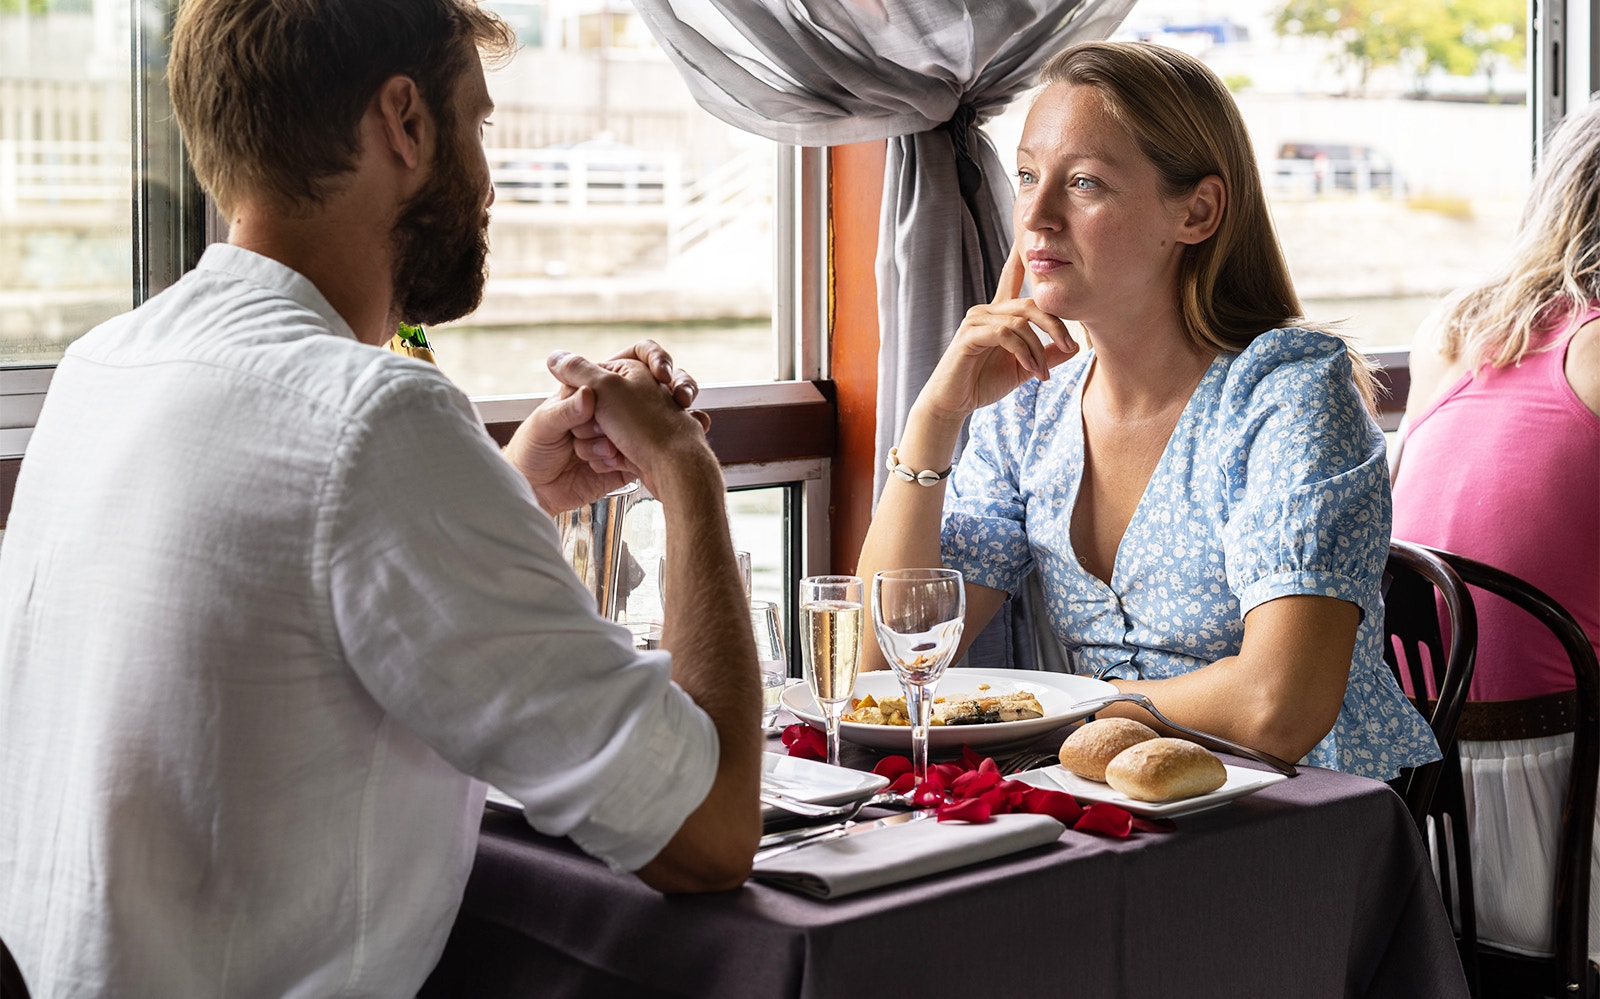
point(776, 845)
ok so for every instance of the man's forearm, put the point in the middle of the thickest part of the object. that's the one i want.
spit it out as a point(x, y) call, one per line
point(707, 630)
point(705, 622)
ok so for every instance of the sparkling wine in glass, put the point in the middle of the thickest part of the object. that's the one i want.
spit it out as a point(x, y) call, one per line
point(917, 615)
point(830, 636)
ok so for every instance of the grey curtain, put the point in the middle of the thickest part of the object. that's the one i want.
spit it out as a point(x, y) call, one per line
point(923, 74)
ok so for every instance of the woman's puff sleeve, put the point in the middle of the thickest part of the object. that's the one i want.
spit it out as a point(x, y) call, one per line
point(1308, 508)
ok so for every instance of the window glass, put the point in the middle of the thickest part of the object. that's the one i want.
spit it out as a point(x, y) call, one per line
point(1394, 140)
point(622, 210)
point(65, 173)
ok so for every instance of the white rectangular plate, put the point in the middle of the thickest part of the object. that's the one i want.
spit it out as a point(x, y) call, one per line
point(497, 798)
point(814, 781)
point(1241, 781)
point(808, 780)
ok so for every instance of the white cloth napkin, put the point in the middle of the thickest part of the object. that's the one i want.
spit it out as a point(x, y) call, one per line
point(892, 854)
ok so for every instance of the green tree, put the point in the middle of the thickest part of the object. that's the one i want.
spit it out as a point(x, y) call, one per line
point(1460, 37)
point(45, 6)
point(1489, 35)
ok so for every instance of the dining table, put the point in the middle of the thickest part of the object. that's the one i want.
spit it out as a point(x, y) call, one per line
point(1313, 886)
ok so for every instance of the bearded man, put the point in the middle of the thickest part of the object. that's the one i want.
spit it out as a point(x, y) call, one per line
point(272, 605)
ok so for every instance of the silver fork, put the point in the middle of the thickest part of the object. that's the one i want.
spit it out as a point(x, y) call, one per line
point(1026, 759)
point(1206, 739)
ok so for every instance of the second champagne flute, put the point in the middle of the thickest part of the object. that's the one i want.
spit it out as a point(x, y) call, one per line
point(917, 615)
point(830, 637)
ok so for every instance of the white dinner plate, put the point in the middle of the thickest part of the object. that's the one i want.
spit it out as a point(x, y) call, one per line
point(1058, 694)
point(814, 781)
point(1241, 781)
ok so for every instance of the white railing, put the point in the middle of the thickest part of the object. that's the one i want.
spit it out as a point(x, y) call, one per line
point(1303, 179)
point(733, 191)
point(578, 177)
point(39, 176)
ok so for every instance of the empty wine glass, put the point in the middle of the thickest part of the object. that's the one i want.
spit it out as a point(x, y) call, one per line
point(766, 621)
point(917, 615)
point(830, 639)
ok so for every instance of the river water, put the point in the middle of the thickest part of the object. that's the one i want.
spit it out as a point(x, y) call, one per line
point(511, 360)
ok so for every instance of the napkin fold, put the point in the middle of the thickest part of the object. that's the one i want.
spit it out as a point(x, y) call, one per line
point(891, 854)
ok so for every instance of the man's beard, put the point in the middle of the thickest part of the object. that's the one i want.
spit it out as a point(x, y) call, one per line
point(441, 244)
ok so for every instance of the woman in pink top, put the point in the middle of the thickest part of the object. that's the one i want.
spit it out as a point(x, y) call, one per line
point(1499, 460)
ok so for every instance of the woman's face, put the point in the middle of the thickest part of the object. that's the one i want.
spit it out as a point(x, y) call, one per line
point(1100, 241)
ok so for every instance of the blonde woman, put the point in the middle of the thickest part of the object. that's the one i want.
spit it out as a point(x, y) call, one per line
point(1500, 461)
point(1201, 487)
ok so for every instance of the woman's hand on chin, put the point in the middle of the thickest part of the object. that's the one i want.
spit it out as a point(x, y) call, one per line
point(995, 350)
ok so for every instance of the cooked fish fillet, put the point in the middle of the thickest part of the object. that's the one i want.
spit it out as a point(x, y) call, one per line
point(958, 710)
point(1019, 706)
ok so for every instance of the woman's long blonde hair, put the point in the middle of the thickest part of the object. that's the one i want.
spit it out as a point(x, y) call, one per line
point(1236, 285)
point(1553, 270)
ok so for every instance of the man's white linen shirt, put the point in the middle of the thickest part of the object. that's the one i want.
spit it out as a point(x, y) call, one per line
point(268, 595)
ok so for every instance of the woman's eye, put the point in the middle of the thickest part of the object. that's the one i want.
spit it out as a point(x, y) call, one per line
point(1083, 184)
point(1025, 176)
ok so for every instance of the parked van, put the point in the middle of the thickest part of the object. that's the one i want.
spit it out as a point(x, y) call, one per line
point(1318, 168)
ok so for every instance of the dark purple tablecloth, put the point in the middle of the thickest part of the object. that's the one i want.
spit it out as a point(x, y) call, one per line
point(1316, 886)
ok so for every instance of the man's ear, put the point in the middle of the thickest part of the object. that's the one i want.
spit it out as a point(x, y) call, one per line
point(404, 124)
point(1203, 210)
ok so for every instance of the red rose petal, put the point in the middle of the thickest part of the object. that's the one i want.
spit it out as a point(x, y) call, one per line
point(997, 800)
point(973, 783)
point(1059, 805)
point(903, 783)
point(970, 760)
point(1106, 820)
point(1153, 825)
point(1016, 792)
point(805, 742)
point(946, 772)
point(987, 765)
point(928, 794)
point(966, 810)
point(892, 767)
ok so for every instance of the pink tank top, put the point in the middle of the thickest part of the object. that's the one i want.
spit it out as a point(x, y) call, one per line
point(1505, 468)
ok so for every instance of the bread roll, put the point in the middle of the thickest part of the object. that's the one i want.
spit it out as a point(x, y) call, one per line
point(1087, 750)
point(1164, 769)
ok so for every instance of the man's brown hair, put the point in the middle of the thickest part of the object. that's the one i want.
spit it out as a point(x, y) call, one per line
point(269, 93)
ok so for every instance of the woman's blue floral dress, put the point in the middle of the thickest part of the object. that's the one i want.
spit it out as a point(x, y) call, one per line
point(1274, 483)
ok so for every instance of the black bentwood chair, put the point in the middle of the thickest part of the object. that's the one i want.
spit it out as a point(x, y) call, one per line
point(1414, 650)
point(1568, 972)
point(1413, 647)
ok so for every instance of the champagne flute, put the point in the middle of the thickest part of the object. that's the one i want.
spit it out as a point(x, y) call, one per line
point(917, 615)
point(830, 628)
